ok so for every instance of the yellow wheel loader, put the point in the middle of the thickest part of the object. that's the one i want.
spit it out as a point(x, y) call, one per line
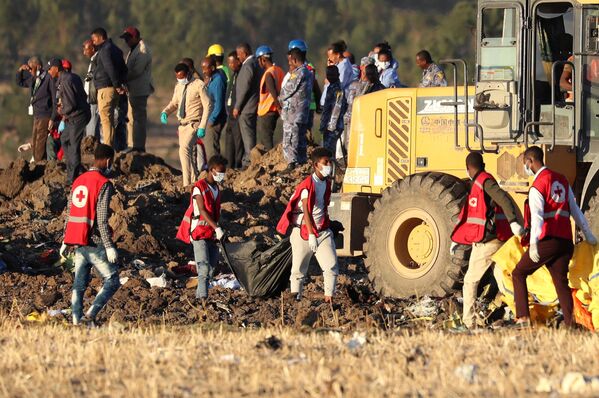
point(535, 82)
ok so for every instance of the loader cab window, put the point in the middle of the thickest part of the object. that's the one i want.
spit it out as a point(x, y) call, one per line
point(554, 32)
point(499, 44)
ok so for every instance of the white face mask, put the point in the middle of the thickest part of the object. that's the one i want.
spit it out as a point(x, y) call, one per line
point(182, 81)
point(218, 177)
point(326, 171)
point(382, 65)
point(528, 170)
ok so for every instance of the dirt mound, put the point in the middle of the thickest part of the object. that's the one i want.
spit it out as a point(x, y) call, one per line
point(147, 209)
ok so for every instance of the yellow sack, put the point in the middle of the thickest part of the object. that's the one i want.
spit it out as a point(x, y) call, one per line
point(584, 272)
point(540, 285)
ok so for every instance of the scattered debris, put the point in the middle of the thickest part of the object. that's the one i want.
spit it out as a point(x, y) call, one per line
point(231, 358)
point(227, 281)
point(426, 307)
point(577, 383)
point(271, 342)
point(356, 342)
point(467, 373)
point(159, 281)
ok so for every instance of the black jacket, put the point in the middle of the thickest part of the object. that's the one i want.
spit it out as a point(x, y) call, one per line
point(44, 98)
point(111, 70)
point(72, 96)
point(248, 86)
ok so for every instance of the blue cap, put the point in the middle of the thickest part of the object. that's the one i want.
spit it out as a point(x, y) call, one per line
point(263, 50)
point(299, 44)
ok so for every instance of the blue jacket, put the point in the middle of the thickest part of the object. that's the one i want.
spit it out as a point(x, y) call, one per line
point(217, 89)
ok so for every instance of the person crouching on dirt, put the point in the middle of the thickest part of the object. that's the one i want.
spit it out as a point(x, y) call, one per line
point(88, 232)
point(200, 223)
point(487, 219)
point(307, 214)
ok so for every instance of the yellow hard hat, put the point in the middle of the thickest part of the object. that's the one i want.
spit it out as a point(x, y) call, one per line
point(215, 49)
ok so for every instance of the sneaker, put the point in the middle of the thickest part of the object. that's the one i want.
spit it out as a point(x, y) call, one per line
point(88, 322)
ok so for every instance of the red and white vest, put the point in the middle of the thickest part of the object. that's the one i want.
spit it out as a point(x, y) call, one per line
point(473, 219)
point(82, 215)
point(290, 211)
point(554, 188)
point(202, 231)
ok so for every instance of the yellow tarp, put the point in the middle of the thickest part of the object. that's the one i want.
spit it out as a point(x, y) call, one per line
point(583, 275)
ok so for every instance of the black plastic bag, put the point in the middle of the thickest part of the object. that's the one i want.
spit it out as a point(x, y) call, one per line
point(261, 271)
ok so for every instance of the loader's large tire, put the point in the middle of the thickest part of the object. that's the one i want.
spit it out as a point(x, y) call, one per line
point(409, 235)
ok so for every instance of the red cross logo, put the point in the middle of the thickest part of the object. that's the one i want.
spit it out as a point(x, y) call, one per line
point(558, 192)
point(473, 202)
point(79, 197)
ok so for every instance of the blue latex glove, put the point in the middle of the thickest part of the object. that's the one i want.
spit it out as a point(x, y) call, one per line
point(201, 133)
point(163, 118)
point(61, 126)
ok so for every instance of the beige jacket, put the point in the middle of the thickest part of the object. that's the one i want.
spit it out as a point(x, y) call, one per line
point(139, 74)
point(197, 103)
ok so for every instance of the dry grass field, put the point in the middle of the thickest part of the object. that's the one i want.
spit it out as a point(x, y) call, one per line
point(112, 361)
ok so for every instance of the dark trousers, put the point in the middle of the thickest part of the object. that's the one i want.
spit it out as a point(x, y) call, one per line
point(265, 129)
point(70, 139)
point(233, 144)
point(39, 136)
point(247, 126)
point(555, 254)
point(212, 140)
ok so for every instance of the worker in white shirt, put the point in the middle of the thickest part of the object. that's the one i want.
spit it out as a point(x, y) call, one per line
point(549, 206)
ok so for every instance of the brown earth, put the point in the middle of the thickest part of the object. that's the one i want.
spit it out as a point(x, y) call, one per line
point(147, 209)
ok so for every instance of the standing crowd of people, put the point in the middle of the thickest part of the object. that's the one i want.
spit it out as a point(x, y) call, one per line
point(235, 100)
point(228, 106)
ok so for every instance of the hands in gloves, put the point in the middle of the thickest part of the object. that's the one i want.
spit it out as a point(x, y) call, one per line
point(453, 248)
point(201, 133)
point(517, 229)
point(219, 233)
point(163, 118)
point(112, 255)
point(24, 147)
point(533, 252)
point(313, 242)
point(61, 126)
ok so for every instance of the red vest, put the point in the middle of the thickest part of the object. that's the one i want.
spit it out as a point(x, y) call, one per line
point(203, 231)
point(291, 209)
point(82, 215)
point(473, 218)
point(554, 188)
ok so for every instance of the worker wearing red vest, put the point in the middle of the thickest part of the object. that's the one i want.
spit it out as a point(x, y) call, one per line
point(200, 223)
point(268, 106)
point(487, 219)
point(88, 232)
point(550, 204)
point(307, 215)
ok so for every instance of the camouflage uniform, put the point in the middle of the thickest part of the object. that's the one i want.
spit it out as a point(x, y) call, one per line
point(433, 76)
point(295, 99)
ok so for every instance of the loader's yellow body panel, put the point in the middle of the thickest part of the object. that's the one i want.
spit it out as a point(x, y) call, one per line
point(399, 132)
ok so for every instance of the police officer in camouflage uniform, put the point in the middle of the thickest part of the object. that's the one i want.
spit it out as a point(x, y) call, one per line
point(295, 99)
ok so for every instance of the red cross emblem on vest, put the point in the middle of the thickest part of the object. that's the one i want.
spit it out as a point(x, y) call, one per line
point(473, 202)
point(79, 196)
point(558, 192)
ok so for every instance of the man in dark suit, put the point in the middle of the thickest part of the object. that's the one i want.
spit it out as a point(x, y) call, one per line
point(246, 98)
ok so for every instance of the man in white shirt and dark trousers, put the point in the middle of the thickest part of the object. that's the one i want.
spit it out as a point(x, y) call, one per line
point(550, 204)
point(307, 215)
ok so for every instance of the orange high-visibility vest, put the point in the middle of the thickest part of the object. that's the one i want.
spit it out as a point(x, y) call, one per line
point(266, 103)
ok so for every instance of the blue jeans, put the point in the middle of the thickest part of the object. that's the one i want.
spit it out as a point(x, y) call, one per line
point(85, 258)
point(206, 255)
point(93, 127)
